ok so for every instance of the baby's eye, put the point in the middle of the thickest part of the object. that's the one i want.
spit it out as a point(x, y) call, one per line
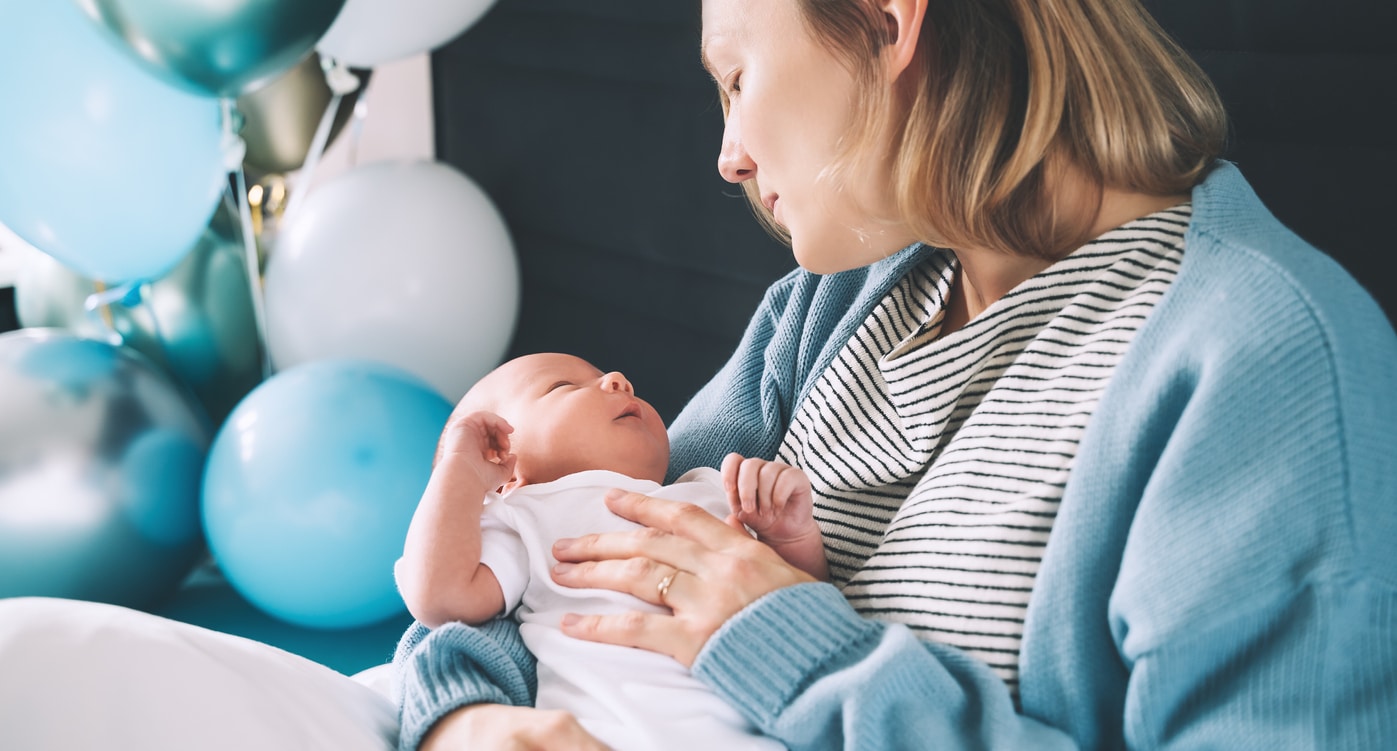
point(557, 386)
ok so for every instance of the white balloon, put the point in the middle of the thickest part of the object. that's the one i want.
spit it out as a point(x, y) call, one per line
point(406, 263)
point(368, 33)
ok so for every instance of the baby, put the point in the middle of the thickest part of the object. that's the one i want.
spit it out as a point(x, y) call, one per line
point(526, 458)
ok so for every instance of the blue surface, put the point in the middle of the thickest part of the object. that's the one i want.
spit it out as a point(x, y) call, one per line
point(207, 600)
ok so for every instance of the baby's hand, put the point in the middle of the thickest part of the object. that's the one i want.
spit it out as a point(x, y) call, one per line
point(772, 498)
point(480, 441)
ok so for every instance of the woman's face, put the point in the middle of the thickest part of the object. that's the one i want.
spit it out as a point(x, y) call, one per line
point(789, 104)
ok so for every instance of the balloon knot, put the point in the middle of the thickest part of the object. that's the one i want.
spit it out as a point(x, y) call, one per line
point(339, 77)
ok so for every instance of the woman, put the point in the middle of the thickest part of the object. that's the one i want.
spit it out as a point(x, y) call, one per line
point(1098, 445)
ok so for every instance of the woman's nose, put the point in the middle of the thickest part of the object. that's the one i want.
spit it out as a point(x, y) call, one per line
point(734, 163)
point(614, 381)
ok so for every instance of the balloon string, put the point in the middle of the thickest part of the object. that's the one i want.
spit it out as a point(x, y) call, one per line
point(254, 273)
point(234, 148)
point(98, 306)
point(356, 129)
point(341, 81)
point(143, 293)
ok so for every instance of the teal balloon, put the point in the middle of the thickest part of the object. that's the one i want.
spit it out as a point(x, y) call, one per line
point(216, 47)
point(311, 484)
point(101, 457)
point(196, 322)
point(102, 166)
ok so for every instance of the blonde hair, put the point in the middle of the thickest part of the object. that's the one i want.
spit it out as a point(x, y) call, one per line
point(1006, 96)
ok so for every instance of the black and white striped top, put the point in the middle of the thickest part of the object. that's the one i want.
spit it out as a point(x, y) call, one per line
point(938, 463)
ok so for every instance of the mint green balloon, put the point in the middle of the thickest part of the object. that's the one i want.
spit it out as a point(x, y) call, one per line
point(218, 47)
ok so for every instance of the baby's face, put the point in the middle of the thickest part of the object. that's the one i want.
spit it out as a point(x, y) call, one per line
point(568, 416)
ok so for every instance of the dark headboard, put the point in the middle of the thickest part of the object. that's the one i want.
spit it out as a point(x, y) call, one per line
point(595, 130)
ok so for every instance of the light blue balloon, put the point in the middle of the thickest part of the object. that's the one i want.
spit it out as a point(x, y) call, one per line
point(310, 486)
point(102, 165)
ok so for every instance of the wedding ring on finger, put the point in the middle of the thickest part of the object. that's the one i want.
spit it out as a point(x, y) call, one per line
point(664, 585)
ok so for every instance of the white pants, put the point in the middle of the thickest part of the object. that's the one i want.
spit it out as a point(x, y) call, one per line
point(80, 675)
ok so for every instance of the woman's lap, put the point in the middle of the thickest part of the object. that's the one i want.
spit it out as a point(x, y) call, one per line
point(86, 675)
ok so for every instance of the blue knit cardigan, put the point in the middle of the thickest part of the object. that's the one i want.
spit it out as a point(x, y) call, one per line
point(1222, 572)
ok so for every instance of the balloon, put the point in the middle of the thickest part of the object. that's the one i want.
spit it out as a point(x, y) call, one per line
point(311, 484)
point(196, 322)
point(280, 118)
point(222, 48)
point(406, 263)
point(100, 464)
point(104, 167)
point(372, 32)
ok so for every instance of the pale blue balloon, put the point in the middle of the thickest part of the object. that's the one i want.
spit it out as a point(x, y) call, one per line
point(310, 486)
point(102, 165)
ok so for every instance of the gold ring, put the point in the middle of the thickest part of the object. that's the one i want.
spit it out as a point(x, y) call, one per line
point(664, 584)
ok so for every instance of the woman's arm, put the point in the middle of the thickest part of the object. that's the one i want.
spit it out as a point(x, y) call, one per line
point(807, 669)
point(440, 575)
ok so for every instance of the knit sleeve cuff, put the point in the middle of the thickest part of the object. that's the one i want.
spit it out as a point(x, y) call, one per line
point(455, 666)
point(764, 656)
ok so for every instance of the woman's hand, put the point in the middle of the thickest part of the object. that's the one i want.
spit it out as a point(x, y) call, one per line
point(686, 559)
point(499, 726)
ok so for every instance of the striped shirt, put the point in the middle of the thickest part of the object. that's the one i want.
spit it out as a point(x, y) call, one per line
point(938, 462)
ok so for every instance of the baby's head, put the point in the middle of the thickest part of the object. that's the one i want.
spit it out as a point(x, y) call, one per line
point(568, 416)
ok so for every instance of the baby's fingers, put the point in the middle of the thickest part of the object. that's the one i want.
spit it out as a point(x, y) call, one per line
point(740, 477)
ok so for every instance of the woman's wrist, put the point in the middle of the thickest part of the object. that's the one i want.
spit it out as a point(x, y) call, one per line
point(764, 654)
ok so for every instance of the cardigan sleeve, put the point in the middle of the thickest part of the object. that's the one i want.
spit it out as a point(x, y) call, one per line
point(808, 670)
point(456, 665)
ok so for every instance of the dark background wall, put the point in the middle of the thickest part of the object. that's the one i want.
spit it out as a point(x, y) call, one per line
point(595, 129)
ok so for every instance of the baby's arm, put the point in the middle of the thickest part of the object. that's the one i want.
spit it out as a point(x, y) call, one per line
point(440, 575)
point(775, 501)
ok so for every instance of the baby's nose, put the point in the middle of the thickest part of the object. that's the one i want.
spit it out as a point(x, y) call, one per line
point(614, 381)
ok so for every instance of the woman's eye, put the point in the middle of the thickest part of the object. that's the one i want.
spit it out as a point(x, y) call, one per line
point(735, 83)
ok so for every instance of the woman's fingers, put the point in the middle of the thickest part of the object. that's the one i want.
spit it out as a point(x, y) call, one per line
point(665, 634)
point(640, 577)
point(627, 550)
point(683, 520)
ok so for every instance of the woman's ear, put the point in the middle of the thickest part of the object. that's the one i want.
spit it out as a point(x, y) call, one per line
point(904, 19)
